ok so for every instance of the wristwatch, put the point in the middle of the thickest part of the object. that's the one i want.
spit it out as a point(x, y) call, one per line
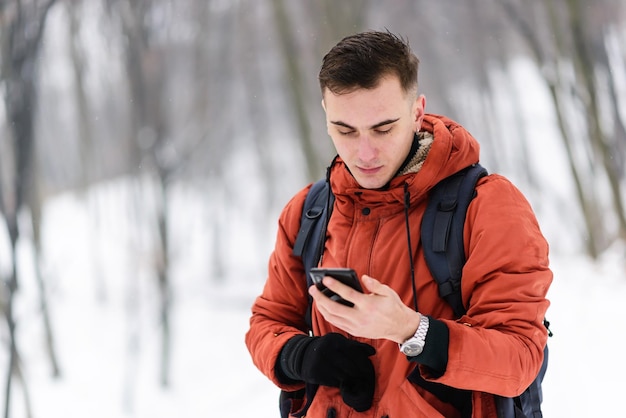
point(414, 345)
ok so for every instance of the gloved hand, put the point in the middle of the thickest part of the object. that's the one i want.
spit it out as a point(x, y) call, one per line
point(332, 360)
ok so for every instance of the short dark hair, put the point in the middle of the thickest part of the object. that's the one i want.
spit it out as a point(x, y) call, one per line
point(361, 60)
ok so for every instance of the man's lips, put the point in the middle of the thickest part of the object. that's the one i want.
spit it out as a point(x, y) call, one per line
point(369, 170)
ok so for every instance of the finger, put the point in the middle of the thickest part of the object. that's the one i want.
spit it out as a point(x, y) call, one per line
point(374, 285)
point(326, 305)
point(342, 289)
point(320, 300)
point(334, 312)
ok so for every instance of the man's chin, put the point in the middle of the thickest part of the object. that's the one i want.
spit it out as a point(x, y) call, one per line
point(370, 182)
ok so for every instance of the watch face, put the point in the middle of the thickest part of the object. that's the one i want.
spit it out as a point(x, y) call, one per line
point(412, 349)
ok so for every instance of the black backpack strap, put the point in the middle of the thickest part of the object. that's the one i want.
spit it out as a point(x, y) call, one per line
point(442, 231)
point(309, 244)
point(313, 211)
point(311, 236)
point(442, 241)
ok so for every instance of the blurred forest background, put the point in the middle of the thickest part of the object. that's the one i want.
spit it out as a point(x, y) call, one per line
point(220, 98)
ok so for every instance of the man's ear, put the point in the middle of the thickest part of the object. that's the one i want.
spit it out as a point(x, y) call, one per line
point(323, 105)
point(420, 109)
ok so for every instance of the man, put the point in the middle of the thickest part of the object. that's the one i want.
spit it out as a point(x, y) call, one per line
point(390, 151)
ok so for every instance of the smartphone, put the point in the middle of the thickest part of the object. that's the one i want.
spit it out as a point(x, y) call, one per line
point(346, 276)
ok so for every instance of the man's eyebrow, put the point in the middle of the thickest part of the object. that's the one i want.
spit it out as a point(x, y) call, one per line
point(377, 125)
point(340, 123)
point(385, 122)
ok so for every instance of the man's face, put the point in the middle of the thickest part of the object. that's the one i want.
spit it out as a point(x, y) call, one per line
point(373, 129)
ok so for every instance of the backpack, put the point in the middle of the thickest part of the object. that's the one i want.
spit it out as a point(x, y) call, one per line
point(442, 241)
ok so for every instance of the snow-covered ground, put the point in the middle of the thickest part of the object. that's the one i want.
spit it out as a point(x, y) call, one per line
point(103, 306)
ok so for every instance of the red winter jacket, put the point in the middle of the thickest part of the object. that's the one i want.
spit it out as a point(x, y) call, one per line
point(496, 348)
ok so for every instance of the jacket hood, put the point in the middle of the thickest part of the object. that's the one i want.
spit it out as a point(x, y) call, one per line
point(453, 149)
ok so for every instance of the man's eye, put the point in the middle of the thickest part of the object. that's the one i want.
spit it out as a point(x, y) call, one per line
point(346, 132)
point(383, 131)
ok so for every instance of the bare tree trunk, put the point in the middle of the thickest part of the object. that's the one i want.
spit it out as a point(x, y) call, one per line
point(90, 166)
point(11, 287)
point(296, 86)
point(132, 299)
point(586, 203)
point(23, 31)
point(332, 20)
point(214, 68)
point(585, 69)
point(20, 375)
point(7, 301)
point(147, 74)
point(41, 284)
point(164, 280)
point(251, 72)
point(85, 137)
point(619, 137)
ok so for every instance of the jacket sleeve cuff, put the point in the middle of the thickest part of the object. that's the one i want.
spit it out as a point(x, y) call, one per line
point(434, 357)
point(289, 360)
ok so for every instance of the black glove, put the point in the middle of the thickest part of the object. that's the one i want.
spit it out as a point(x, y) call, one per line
point(331, 360)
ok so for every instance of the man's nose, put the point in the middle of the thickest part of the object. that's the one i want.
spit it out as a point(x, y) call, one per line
point(367, 150)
